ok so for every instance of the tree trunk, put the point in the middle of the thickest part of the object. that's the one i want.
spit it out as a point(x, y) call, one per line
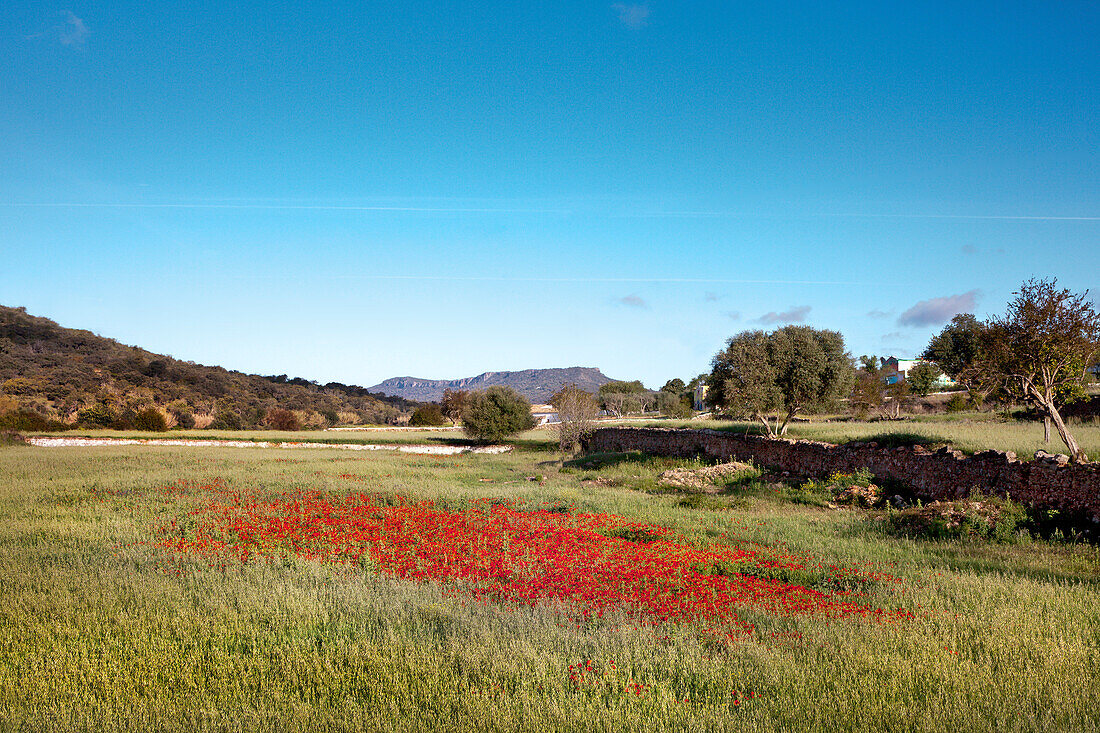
point(786, 421)
point(1075, 451)
point(767, 425)
point(1046, 428)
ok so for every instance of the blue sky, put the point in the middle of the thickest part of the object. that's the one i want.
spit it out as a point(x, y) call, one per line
point(353, 191)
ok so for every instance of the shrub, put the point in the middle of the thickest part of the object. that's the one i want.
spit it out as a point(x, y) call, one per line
point(151, 419)
point(428, 415)
point(278, 418)
point(978, 517)
point(957, 403)
point(29, 421)
point(96, 416)
point(496, 412)
point(10, 437)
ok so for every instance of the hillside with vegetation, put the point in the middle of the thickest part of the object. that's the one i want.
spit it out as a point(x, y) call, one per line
point(537, 385)
point(51, 376)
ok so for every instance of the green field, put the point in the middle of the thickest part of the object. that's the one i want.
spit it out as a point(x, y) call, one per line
point(98, 630)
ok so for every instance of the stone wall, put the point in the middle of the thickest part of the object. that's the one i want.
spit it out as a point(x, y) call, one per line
point(1047, 483)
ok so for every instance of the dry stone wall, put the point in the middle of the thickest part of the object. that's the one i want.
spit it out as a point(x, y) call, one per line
point(1046, 483)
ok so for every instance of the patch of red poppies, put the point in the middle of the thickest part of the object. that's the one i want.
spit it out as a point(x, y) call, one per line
point(591, 562)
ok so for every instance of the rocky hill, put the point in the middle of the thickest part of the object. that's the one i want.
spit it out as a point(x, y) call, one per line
point(67, 375)
point(536, 385)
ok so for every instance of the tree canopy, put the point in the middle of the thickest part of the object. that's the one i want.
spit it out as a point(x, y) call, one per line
point(1039, 350)
point(782, 372)
point(496, 412)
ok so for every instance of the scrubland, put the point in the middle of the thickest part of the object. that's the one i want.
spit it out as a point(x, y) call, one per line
point(152, 588)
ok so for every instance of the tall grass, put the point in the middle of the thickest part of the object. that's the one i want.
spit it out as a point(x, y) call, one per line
point(95, 635)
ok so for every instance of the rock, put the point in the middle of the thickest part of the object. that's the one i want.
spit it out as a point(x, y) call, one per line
point(858, 495)
point(701, 479)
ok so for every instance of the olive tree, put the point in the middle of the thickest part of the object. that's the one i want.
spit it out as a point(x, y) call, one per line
point(496, 412)
point(770, 377)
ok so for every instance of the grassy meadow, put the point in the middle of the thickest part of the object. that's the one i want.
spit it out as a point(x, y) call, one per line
point(99, 629)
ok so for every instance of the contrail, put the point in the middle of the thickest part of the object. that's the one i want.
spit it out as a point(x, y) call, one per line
point(492, 278)
point(291, 207)
point(672, 214)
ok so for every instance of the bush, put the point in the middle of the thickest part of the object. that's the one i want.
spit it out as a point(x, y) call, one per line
point(428, 415)
point(496, 412)
point(28, 421)
point(978, 517)
point(151, 419)
point(278, 418)
point(96, 416)
point(10, 437)
point(957, 403)
point(225, 419)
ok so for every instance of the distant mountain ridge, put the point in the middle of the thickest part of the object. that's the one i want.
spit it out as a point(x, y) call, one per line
point(536, 385)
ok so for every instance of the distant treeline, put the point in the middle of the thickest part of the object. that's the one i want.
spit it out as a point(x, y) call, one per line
point(53, 377)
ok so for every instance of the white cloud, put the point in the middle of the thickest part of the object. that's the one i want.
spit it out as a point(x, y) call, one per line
point(796, 314)
point(73, 32)
point(632, 16)
point(632, 301)
point(939, 310)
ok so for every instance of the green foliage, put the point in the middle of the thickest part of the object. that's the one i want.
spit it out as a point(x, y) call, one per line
point(792, 369)
point(922, 378)
point(957, 403)
point(428, 415)
point(28, 421)
point(673, 405)
point(634, 387)
point(96, 416)
point(151, 419)
point(676, 386)
point(977, 517)
point(702, 501)
point(957, 348)
point(496, 412)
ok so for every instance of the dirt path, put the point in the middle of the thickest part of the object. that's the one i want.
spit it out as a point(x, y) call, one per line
point(446, 450)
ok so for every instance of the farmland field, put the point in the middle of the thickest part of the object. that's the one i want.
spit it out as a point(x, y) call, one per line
point(155, 588)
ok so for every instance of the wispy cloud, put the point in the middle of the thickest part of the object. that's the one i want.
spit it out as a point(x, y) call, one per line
point(891, 338)
point(73, 31)
point(710, 297)
point(879, 314)
point(796, 314)
point(939, 310)
point(969, 249)
point(733, 315)
point(632, 301)
point(632, 16)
